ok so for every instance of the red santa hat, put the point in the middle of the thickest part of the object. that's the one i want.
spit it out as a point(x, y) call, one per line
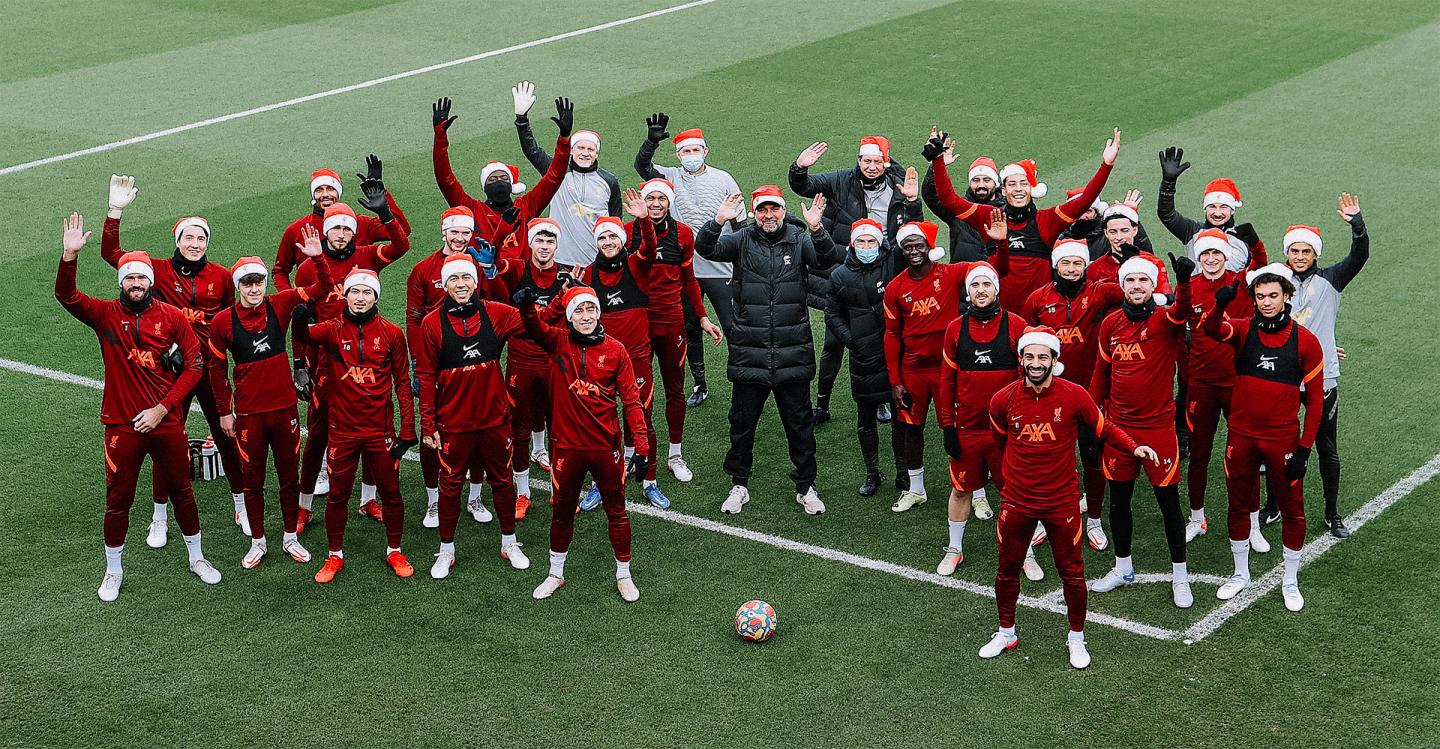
point(1127, 210)
point(691, 137)
point(324, 177)
point(612, 224)
point(458, 264)
point(926, 231)
point(1070, 247)
point(516, 186)
point(1099, 206)
point(339, 214)
point(589, 136)
point(575, 296)
point(247, 266)
point(459, 217)
point(982, 269)
point(663, 186)
point(867, 228)
point(362, 277)
point(875, 145)
point(1301, 233)
point(1145, 266)
point(538, 225)
point(135, 262)
point(1025, 168)
point(1222, 192)
point(766, 194)
point(983, 166)
point(1042, 335)
point(1274, 269)
point(191, 222)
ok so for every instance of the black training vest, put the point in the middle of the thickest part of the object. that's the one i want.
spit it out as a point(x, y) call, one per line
point(1026, 241)
point(626, 294)
point(247, 347)
point(458, 350)
point(545, 293)
point(668, 250)
point(1280, 364)
point(971, 358)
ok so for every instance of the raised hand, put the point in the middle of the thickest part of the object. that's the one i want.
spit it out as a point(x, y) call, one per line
point(996, 229)
point(812, 154)
point(1112, 148)
point(1128, 250)
point(1349, 207)
point(524, 95)
point(73, 236)
point(935, 147)
point(950, 151)
point(1226, 294)
point(1172, 163)
point(1133, 197)
point(656, 125)
point(440, 113)
point(122, 193)
point(309, 244)
point(910, 188)
point(634, 203)
point(564, 115)
point(525, 297)
point(373, 190)
point(730, 209)
point(814, 211)
point(1183, 266)
point(1246, 233)
point(372, 168)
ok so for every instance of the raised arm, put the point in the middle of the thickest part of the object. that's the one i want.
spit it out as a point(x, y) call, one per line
point(708, 242)
point(1172, 165)
point(524, 97)
point(1342, 273)
point(81, 306)
point(450, 189)
point(960, 208)
point(534, 202)
point(806, 184)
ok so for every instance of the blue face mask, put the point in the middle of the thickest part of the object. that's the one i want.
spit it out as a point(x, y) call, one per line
point(868, 256)
point(693, 162)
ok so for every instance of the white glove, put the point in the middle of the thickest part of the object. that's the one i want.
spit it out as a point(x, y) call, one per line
point(122, 193)
point(524, 95)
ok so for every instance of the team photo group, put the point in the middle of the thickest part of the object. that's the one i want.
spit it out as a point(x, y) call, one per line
point(1065, 351)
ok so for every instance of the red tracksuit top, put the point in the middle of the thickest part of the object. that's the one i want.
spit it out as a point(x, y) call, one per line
point(368, 256)
point(585, 382)
point(424, 292)
point(1106, 269)
point(1039, 430)
point(1211, 362)
point(917, 312)
point(976, 366)
point(368, 230)
point(624, 304)
point(198, 298)
point(525, 353)
point(507, 237)
point(1272, 371)
point(255, 338)
point(1134, 379)
point(364, 363)
point(1075, 321)
point(672, 279)
point(462, 385)
point(130, 347)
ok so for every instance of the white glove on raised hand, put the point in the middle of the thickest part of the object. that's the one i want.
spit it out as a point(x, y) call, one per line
point(524, 95)
point(122, 193)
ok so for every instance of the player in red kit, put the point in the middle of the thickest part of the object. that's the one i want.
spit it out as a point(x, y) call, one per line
point(919, 303)
point(1132, 383)
point(1032, 232)
point(464, 407)
point(589, 371)
point(199, 288)
point(979, 359)
point(325, 191)
point(1038, 418)
point(365, 358)
point(1279, 367)
point(1120, 226)
point(259, 411)
point(152, 361)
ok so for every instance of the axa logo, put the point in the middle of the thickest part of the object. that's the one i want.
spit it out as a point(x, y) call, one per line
point(191, 316)
point(1017, 242)
point(614, 297)
point(1267, 362)
point(472, 350)
point(925, 306)
point(1037, 432)
point(260, 345)
point(983, 357)
point(145, 359)
point(1070, 336)
point(581, 387)
point(1129, 352)
point(336, 294)
point(359, 375)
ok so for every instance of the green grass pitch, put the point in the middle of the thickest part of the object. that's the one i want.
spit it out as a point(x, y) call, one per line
point(1296, 99)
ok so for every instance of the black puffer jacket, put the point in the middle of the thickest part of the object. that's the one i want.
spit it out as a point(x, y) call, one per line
point(769, 340)
point(966, 244)
point(856, 315)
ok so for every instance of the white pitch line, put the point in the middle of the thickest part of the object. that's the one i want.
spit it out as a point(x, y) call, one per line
point(1312, 551)
point(352, 87)
point(1144, 578)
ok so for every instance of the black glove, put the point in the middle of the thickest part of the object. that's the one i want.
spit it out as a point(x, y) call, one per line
point(1183, 266)
point(566, 115)
point(303, 386)
point(300, 314)
point(952, 442)
point(1295, 464)
point(372, 168)
point(934, 147)
point(525, 297)
point(636, 467)
point(656, 124)
point(1171, 166)
point(374, 191)
point(172, 360)
point(401, 447)
point(440, 113)
point(1226, 294)
point(1246, 233)
point(1128, 251)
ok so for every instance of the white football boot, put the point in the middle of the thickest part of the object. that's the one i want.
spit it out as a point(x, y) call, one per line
point(110, 586)
point(444, 561)
point(679, 469)
point(628, 592)
point(548, 587)
point(1233, 586)
point(907, 500)
point(811, 502)
point(206, 571)
point(738, 498)
point(999, 643)
point(515, 556)
point(952, 559)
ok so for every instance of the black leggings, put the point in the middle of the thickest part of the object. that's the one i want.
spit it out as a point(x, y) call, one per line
point(717, 290)
point(831, 357)
point(868, 428)
point(1122, 521)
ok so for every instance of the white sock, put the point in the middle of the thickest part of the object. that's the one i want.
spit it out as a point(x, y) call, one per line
point(192, 547)
point(629, 452)
point(537, 441)
point(557, 564)
point(649, 483)
point(1075, 636)
point(287, 537)
point(367, 493)
point(161, 512)
point(239, 502)
point(1179, 571)
point(917, 480)
point(306, 500)
point(1254, 522)
point(1008, 630)
point(112, 556)
point(447, 548)
point(979, 494)
point(622, 569)
point(432, 495)
point(507, 540)
point(1125, 565)
point(957, 533)
point(522, 482)
point(674, 449)
point(392, 550)
point(1197, 515)
point(1241, 551)
point(1292, 564)
point(475, 491)
point(1092, 522)
point(338, 554)
point(259, 543)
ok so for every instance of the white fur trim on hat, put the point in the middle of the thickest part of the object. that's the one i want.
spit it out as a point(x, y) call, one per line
point(661, 186)
point(191, 221)
point(457, 221)
point(1302, 234)
point(247, 268)
point(1141, 265)
point(1070, 248)
point(576, 301)
point(362, 277)
point(545, 225)
point(867, 230)
point(338, 219)
point(1122, 209)
point(586, 135)
point(610, 223)
point(1279, 269)
point(1048, 340)
point(1038, 189)
point(1221, 197)
point(458, 264)
point(325, 180)
point(690, 142)
point(983, 170)
point(513, 172)
point(982, 270)
point(142, 267)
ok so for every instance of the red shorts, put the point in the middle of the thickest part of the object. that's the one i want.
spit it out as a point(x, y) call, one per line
point(1122, 466)
point(980, 459)
point(922, 386)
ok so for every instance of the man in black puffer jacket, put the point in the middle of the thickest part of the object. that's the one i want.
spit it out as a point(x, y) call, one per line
point(769, 342)
point(855, 315)
point(982, 186)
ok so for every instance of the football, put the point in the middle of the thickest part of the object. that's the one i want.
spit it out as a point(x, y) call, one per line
point(756, 621)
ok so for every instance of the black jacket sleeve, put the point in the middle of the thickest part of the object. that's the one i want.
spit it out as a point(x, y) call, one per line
point(932, 198)
point(614, 182)
point(837, 317)
point(1182, 227)
point(645, 161)
point(808, 185)
point(1342, 273)
point(532, 150)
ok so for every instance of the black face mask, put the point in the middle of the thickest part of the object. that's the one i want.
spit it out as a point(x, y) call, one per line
point(1273, 324)
point(361, 318)
point(1019, 215)
point(610, 264)
point(1066, 287)
point(497, 193)
point(986, 313)
point(340, 254)
point(1138, 312)
point(1085, 227)
point(581, 339)
point(458, 309)
point(136, 307)
point(187, 267)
